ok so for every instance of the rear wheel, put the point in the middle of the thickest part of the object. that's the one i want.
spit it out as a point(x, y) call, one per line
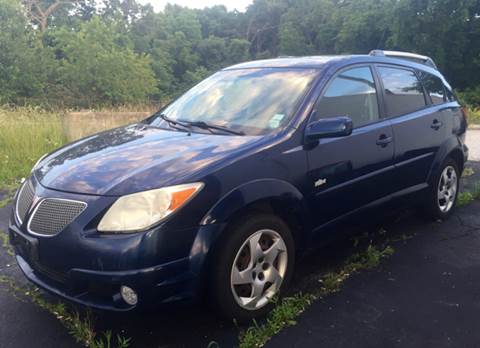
point(253, 265)
point(444, 190)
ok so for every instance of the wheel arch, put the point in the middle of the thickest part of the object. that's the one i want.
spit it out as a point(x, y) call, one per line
point(450, 148)
point(271, 196)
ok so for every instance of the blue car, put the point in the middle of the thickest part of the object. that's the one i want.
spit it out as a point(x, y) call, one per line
point(214, 195)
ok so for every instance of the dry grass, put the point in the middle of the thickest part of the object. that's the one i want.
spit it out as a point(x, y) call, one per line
point(25, 135)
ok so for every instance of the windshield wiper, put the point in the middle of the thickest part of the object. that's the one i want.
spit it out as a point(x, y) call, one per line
point(174, 124)
point(209, 126)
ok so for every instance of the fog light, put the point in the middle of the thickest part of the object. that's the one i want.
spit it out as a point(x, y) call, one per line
point(129, 295)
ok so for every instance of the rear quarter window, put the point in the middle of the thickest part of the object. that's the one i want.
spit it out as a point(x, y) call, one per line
point(403, 91)
point(434, 88)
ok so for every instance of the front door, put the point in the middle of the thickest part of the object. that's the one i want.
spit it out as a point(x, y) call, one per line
point(349, 172)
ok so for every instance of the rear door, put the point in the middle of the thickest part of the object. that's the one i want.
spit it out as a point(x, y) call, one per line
point(347, 173)
point(418, 126)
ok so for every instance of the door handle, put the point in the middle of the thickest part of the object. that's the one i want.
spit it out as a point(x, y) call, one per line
point(436, 125)
point(383, 141)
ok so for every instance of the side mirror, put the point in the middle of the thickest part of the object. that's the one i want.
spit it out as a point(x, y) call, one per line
point(329, 128)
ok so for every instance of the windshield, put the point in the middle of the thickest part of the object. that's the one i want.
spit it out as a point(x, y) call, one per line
point(249, 101)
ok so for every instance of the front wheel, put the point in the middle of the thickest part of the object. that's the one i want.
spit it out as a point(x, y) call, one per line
point(253, 265)
point(444, 190)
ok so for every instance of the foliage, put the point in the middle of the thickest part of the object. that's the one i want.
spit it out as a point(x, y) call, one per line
point(474, 116)
point(95, 68)
point(5, 243)
point(466, 197)
point(470, 96)
point(81, 54)
point(24, 65)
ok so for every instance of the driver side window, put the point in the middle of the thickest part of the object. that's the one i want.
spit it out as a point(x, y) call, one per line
point(351, 93)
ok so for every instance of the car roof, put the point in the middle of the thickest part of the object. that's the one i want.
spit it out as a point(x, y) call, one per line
point(291, 62)
point(322, 62)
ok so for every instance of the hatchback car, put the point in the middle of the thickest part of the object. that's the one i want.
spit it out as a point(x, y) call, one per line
point(215, 194)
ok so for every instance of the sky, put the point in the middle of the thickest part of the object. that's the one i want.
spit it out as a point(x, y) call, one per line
point(240, 5)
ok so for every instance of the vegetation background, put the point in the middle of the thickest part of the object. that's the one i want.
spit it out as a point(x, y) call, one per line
point(90, 53)
point(118, 55)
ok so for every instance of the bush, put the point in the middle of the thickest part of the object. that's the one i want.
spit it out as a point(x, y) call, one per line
point(470, 97)
point(96, 70)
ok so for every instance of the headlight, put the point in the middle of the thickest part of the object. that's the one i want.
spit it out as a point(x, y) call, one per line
point(141, 210)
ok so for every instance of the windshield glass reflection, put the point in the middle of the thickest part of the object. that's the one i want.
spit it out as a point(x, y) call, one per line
point(252, 101)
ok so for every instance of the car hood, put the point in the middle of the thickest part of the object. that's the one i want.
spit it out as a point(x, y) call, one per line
point(134, 158)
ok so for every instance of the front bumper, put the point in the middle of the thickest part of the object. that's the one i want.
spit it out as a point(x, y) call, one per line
point(161, 284)
point(163, 265)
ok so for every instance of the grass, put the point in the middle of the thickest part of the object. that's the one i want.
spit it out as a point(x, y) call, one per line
point(466, 197)
point(468, 171)
point(25, 135)
point(474, 116)
point(6, 243)
point(80, 327)
point(288, 309)
point(6, 194)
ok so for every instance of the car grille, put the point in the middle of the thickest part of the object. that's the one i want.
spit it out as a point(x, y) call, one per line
point(24, 201)
point(52, 215)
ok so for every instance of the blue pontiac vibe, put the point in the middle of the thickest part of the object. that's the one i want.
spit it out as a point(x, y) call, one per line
point(214, 195)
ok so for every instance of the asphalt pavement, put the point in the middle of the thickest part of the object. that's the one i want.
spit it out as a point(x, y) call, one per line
point(426, 295)
point(23, 324)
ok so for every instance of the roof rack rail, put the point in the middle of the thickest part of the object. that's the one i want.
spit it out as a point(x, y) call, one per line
point(405, 55)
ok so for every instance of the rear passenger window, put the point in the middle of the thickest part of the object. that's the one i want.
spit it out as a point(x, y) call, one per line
point(403, 91)
point(352, 93)
point(434, 87)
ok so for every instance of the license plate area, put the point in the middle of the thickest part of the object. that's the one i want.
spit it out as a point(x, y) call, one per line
point(26, 246)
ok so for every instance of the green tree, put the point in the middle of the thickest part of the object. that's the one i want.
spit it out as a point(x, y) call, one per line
point(25, 66)
point(95, 70)
point(309, 27)
point(447, 30)
point(263, 25)
point(79, 53)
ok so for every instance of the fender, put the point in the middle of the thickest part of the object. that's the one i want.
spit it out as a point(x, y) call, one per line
point(450, 146)
point(215, 221)
point(251, 192)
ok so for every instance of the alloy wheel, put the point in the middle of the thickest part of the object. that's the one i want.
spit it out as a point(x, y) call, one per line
point(447, 189)
point(259, 269)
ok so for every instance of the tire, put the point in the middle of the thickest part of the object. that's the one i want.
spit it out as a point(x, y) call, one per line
point(242, 289)
point(443, 191)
